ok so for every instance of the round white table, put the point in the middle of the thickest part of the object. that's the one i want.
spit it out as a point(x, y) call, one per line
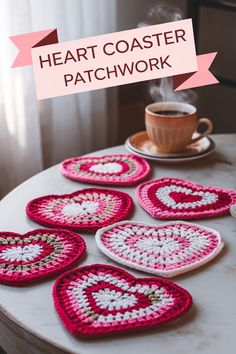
point(29, 323)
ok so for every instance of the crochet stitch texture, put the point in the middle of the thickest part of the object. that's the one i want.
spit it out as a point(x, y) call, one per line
point(99, 300)
point(86, 209)
point(166, 250)
point(37, 255)
point(176, 198)
point(121, 170)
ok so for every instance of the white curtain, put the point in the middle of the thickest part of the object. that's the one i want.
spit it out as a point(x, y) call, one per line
point(36, 134)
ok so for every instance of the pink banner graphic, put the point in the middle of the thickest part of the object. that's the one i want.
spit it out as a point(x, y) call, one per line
point(114, 59)
point(25, 42)
point(202, 77)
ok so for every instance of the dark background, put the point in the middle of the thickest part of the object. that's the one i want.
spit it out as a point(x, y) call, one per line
point(216, 32)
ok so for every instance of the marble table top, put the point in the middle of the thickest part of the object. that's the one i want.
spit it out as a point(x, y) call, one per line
point(27, 316)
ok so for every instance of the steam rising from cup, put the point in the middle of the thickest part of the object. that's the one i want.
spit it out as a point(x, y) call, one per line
point(161, 90)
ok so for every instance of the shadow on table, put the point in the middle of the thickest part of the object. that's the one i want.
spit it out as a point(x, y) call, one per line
point(207, 162)
point(177, 327)
point(2, 351)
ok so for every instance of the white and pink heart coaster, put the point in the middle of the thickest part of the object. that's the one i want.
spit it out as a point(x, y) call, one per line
point(176, 198)
point(121, 170)
point(100, 300)
point(166, 250)
point(37, 255)
point(86, 209)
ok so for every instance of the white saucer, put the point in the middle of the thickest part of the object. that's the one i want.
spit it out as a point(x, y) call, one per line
point(140, 144)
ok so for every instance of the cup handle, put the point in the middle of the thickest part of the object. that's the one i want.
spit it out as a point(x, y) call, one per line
point(209, 124)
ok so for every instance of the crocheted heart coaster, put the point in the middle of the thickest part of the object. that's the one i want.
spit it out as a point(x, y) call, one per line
point(85, 209)
point(121, 170)
point(37, 255)
point(176, 198)
point(100, 300)
point(167, 250)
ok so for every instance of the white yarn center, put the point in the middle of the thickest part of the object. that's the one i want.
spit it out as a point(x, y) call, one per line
point(75, 209)
point(109, 167)
point(18, 253)
point(114, 300)
point(163, 245)
point(118, 300)
point(158, 247)
point(163, 194)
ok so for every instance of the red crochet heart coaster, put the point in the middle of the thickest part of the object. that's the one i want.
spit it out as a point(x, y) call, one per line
point(37, 255)
point(168, 249)
point(176, 198)
point(121, 170)
point(100, 300)
point(85, 209)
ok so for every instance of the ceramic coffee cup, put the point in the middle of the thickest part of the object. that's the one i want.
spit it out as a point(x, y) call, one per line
point(170, 125)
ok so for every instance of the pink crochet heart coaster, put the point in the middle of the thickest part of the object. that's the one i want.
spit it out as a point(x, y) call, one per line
point(100, 300)
point(167, 250)
point(85, 209)
point(37, 255)
point(121, 170)
point(176, 198)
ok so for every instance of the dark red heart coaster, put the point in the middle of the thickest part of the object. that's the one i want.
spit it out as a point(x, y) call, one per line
point(86, 209)
point(37, 255)
point(100, 300)
point(176, 198)
point(120, 170)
